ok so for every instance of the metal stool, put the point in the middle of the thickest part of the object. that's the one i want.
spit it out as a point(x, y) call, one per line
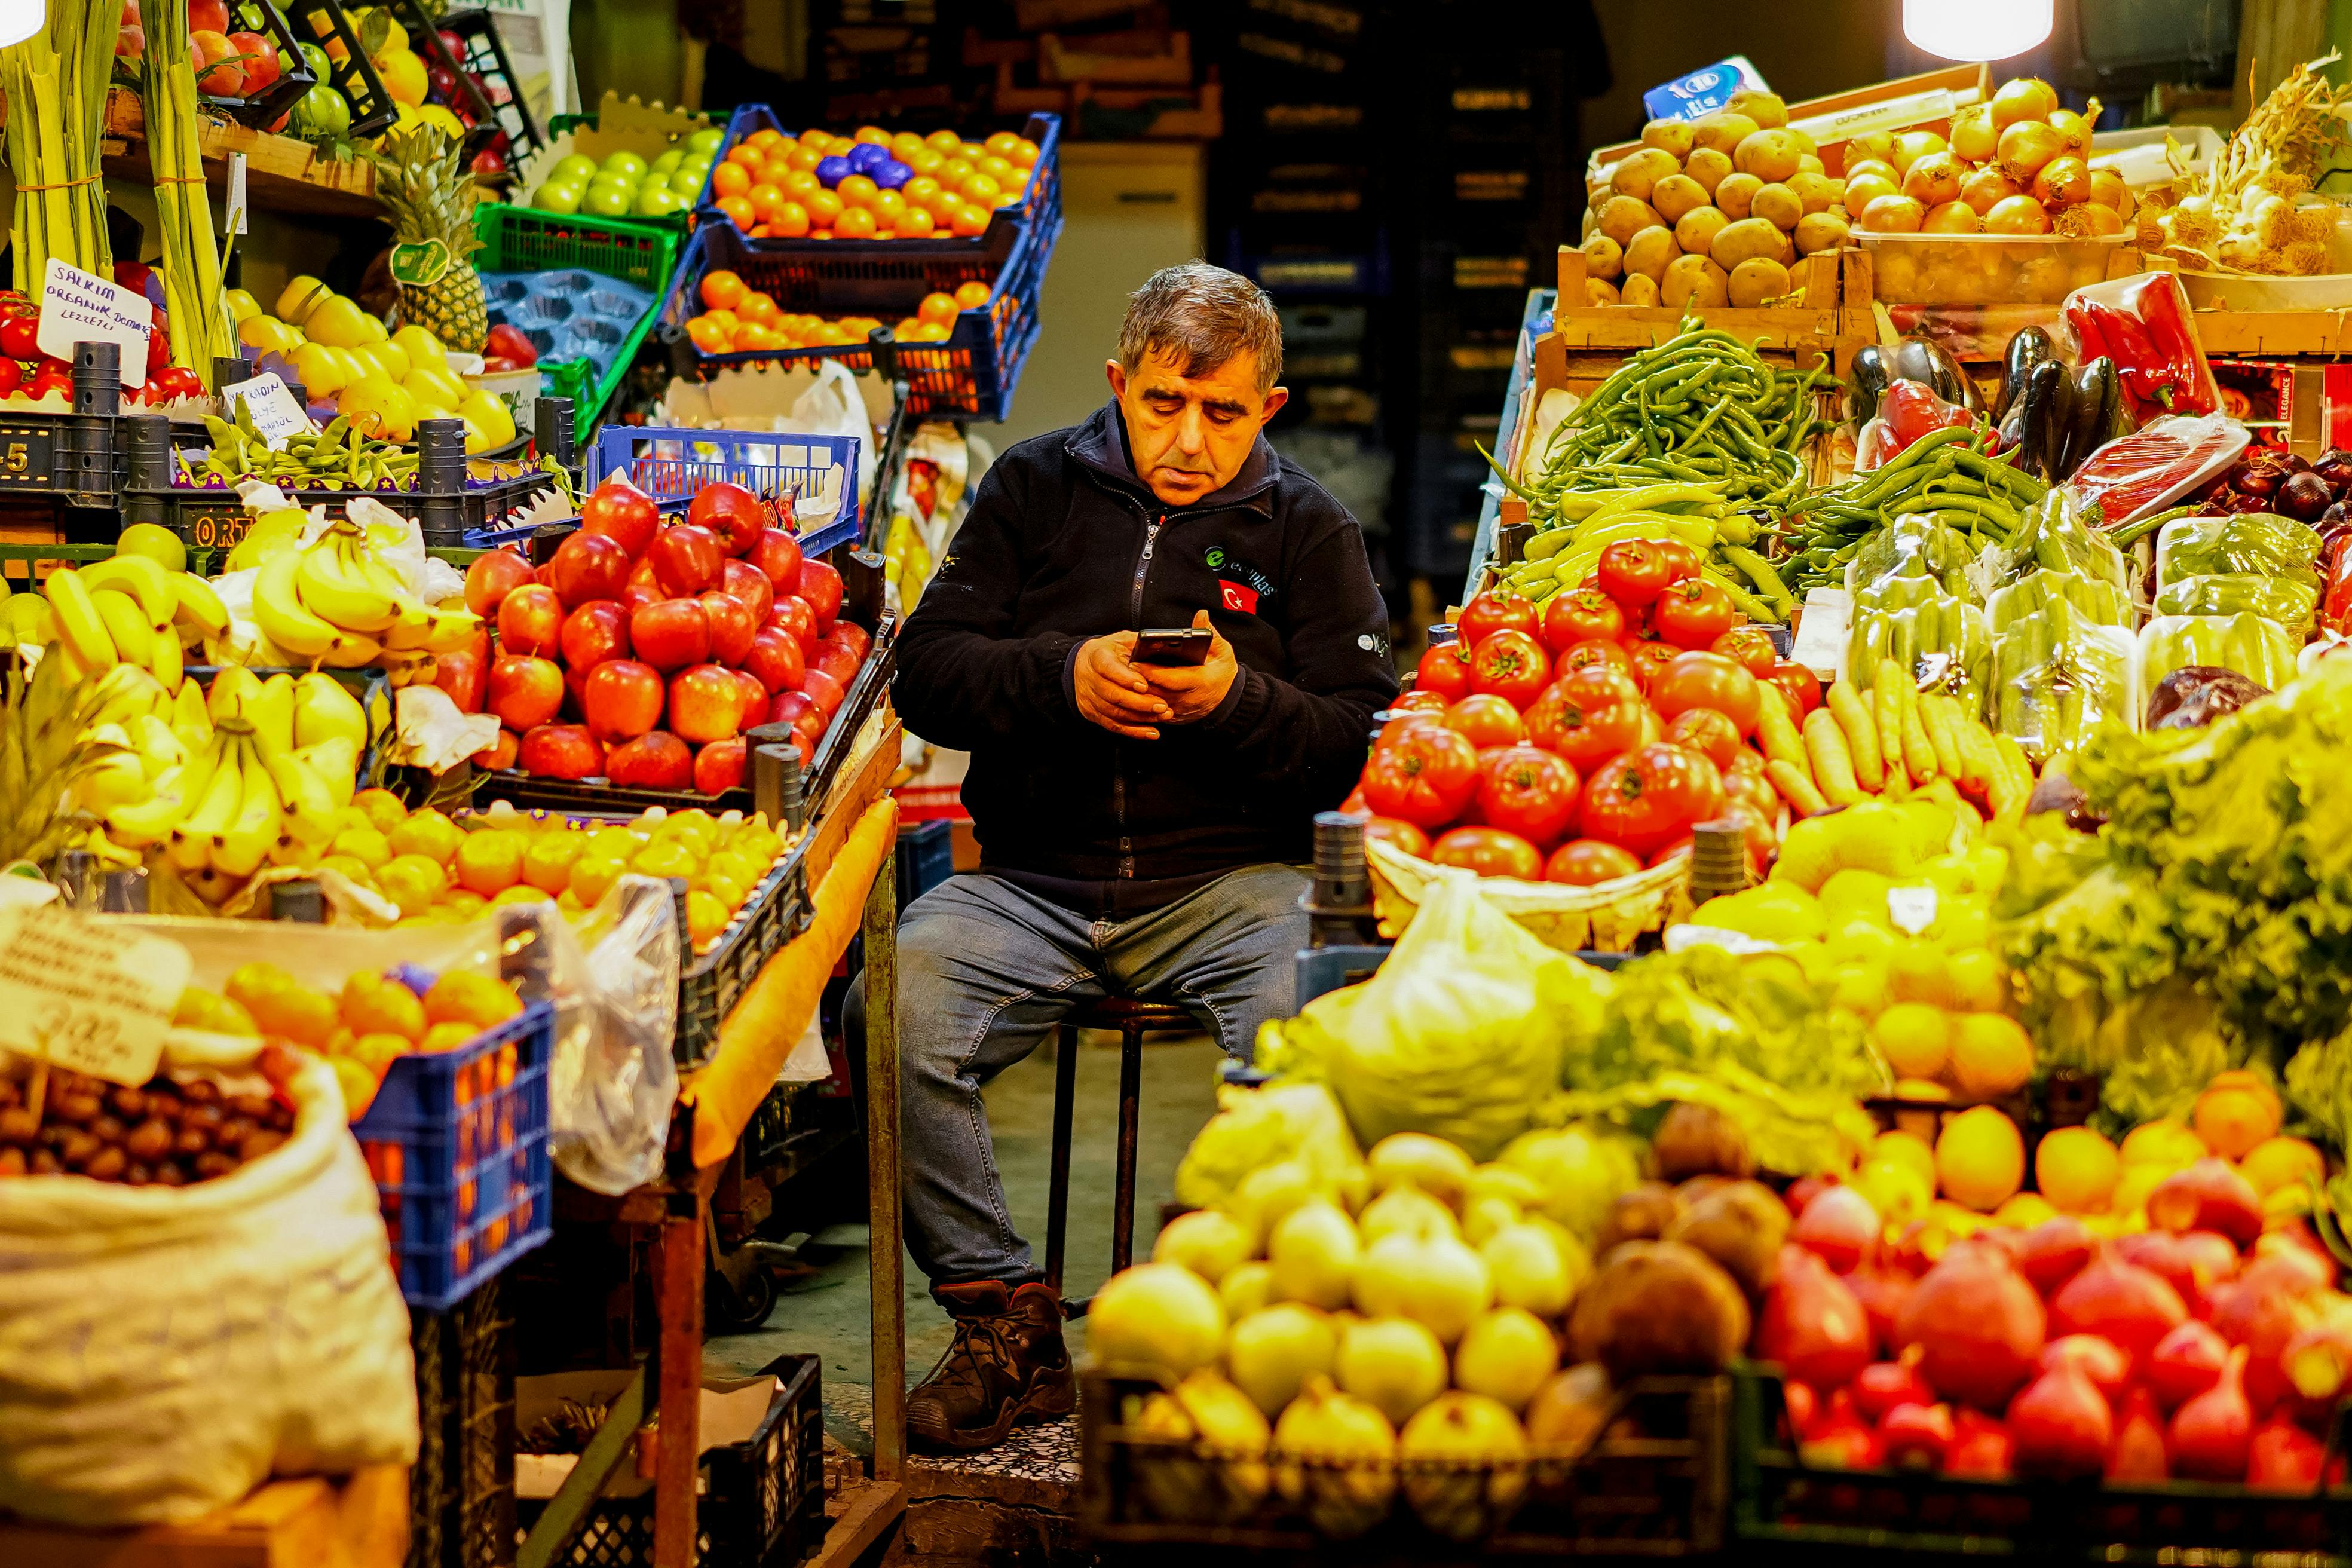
point(1133, 1020)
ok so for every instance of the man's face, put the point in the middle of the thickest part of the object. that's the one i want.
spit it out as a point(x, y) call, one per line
point(1191, 434)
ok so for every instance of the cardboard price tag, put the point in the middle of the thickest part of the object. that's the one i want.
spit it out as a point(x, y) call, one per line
point(79, 307)
point(86, 996)
point(275, 413)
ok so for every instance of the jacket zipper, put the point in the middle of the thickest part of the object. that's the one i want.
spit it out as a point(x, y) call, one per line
point(1118, 753)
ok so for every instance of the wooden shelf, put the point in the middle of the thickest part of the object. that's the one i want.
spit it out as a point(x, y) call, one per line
point(282, 174)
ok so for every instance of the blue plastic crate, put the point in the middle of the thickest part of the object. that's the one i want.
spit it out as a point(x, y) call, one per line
point(973, 373)
point(458, 1142)
point(926, 858)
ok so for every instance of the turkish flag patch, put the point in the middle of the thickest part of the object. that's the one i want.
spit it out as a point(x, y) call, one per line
point(1238, 597)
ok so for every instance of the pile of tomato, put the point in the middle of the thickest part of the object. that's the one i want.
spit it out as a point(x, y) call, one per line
point(1581, 740)
point(26, 371)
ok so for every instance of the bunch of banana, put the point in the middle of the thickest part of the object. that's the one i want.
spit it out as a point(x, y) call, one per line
point(130, 610)
point(340, 457)
point(332, 601)
point(156, 731)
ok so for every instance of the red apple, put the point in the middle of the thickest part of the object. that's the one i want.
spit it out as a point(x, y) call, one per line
point(777, 555)
point(657, 760)
point(637, 595)
point(596, 631)
point(837, 660)
point(731, 626)
point(208, 15)
point(706, 703)
point(621, 698)
point(755, 695)
point(499, 753)
point(525, 691)
point(462, 673)
point(545, 573)
point(671, 634)
point(718, 767)
point(619, 509)
point(562, 752)
point(531, 620)
point(494, 575)
point(792, 614)
point(576, 689)
point(750, 584)
point(787, 707)
point(260, 60)
point(775, 658)
point(733, 514)
point(820, 584)
point(686, 559)
point(589, 567)
point(823, 691)
point(850, 635)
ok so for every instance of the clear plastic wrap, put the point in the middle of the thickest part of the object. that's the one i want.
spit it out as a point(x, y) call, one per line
point(2057, 676)
point(2259, 543)
point(1941, 639)
point(2287, 598)
point(2262, 651)
point(1915, 546)
point(2057, 537)
point(2139, 475)
point(2039, 594)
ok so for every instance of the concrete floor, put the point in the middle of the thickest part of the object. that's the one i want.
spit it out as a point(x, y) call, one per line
point(826, 1313)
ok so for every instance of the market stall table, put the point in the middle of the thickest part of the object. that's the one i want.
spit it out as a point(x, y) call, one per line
point(356, 1521)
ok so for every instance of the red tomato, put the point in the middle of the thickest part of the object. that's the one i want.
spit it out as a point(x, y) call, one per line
point(1587, 862)
point(1490, 852)
point(1803, 687)
point(1444, 669)
point(1510, 663)
point(1708, 733)
point(1424, 773)
point(1410, 719)
point(1679, 846)
point(1694, 613)
point(1487, 719)
point(1601, 683)
point(1648, 798)
point(1586, 732)
point(1404, 835)
point(1490, 613)
point(1419, 701)
point(1755, 827)
point(1682, 560)
point(1749, 785)
point(1529, 791)
point(1572, 619)
point(1707, 680)
point(1354, 805)
point(1649, 658)
point(20, 333)
point(1593, 650)
point(1750, 647)
point(1634, 570)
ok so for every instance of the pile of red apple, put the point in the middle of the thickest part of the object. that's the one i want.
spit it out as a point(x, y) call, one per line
point(2206, 1348)
point(645, 647)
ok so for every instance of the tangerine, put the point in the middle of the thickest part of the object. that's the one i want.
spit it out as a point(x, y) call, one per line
point(738, 211)
point(970, 221)
point(855, 223)
point(972, 296)
point(824, 209)
point(282, 1005)
point(789, 221)
point(759, 310)
point(873, 134)
point(1023, 153)
point(366, 846)
point(593, 875)
point(358, 1085)
point(706, 917)
point(722, 288)
point(915, 224)
point(2077, 1169)
point(1979, 1159)
point(857, 190)
point(491, 861)
point(2237, 1112)
point(374, 1005)
point(547, 864)
point(413, 883)
point(1002, 143)
point(1991, 1054)
point(940, 307)
point(731, 180)
point(463, 997)
point(427, 833)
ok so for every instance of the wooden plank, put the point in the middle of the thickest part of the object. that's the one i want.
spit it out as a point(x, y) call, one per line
point(282, 174)
point(887, 1301)
point(361, 1521)
point(1814, 325)
point(866, 1511)
point(2252, 333)
point(677, 1286)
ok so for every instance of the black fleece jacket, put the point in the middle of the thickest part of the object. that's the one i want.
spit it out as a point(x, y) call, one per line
point(1064, 543)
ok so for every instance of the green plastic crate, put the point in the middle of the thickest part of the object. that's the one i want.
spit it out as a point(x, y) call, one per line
point(645, 255)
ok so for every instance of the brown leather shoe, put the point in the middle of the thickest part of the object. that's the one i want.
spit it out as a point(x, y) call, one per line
point(1007, 1365)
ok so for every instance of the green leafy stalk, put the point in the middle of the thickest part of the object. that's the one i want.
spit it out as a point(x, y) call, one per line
point(201, 327)
point(56, 85)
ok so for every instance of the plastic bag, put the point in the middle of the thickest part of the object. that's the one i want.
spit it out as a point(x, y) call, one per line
point(2057, 537)
point(1941, 640)
point(2058, 676)
point(2038, 594)
point(2243, 541)
point(1459, 1033)
point(1255, 1129)
point(2139, 475)
point(2260, 651)
point(2287, 598)
point(1916, 546)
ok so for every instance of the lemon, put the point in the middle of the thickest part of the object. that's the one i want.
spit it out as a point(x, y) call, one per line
point(433, 384)
point(1915, 973)
point(1979, 1159)
point(379, 408)
point(1860, 988)
point(1914, 1037)
point(1809, 854)
point(2168, 1143)
point(491, 413)
point(412, 881)
point(2024, 1211)
point(373, 1004)
point(427, 833)
point(1962, 923)
point(1991, 1054)
point(1978, 980)
point(1896, 1189)
point(1856, 894)
point(1905, 1149)
point(664, 858)
point(364, 845)
point(2077, 1169)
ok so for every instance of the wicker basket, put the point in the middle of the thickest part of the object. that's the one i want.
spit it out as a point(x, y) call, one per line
point(1607, 917)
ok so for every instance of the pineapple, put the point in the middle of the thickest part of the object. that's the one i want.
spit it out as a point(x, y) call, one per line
point(421, 179)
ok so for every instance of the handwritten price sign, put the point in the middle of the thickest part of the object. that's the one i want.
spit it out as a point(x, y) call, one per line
point(88, 997)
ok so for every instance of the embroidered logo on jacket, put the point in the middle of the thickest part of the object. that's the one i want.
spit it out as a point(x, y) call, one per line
point(1241, 584)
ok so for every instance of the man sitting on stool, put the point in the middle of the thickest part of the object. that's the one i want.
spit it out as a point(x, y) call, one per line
point(1138, 821)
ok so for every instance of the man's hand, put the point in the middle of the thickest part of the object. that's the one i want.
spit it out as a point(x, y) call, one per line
point(1192, 691)
point(1113, 693)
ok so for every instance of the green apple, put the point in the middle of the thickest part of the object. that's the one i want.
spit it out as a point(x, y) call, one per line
point(659, 201)
point(577, 169)
point(628, 163)
point(705, 142)
point(687, 183)
point(606, 201)
point(666, 161)
point(558, 196)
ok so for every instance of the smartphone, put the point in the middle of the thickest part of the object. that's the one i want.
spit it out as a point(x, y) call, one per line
point(1172, 645)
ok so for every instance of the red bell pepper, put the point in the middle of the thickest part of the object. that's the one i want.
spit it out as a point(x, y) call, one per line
point(2335, 579)
point(2146, 332)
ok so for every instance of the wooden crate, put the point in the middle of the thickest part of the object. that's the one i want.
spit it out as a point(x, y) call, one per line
point(1964, 85)
point(1812, 324)
point(1980, 335)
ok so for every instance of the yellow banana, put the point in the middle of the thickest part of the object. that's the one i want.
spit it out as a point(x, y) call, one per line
point(211, 808)
point(323, 708)
point(350, 651)
point(79, 626)
point(149, 821)
point(279, 611)
point(336, 588)
point(336, 761)
point(270, 711)
point(260, 819)
point(309, 807)
point(434, 631)
point(199, 607)
point(134, 639)
point(125, 691)
point(410, 629)
point(140, 578)
point(233, 687)
point(159, 751)
point(167, 660)
point(191, 720)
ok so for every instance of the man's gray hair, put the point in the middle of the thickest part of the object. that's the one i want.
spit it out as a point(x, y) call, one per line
point(1201, 316)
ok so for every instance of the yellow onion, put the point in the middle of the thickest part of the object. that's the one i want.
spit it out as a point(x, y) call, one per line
point(1914, 145)
point(1934, 180)
point(2026, 145)
point(1973, 133)
point(2027, 98)
point(1879, 144)
point(1951, 217)
point(2017, 215)
point(1861, 192)
point(1857, 169)
point(1985, 186)
point(2074, 128)
point(2108, 189)
point(2092, 218)
point(2063, 181)
point(1893, 215)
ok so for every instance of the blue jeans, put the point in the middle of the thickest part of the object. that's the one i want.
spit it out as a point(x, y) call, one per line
point(986, 969)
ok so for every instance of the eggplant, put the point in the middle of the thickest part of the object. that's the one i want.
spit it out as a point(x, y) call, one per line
point(2303, 497)
point(2029, 348)
point(2042, 413)
point(1923, 360)
point(2195, 695)
point(2090, 394)
point(1867, 383)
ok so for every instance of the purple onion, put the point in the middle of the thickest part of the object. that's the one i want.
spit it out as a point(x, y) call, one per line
point(2334, 466)
point(2303, 497)
point(2246, 502)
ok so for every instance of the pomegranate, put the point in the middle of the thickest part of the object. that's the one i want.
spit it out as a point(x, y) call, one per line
point(2188, 1263)
point(2317, 1361)
point(2185, 1363)
point(2055, 1251)
point(1916, 1436)
point(2119, 1302)
point(2211, 1434)
point(2208, 1195)
point(2137, 1453)
point(2284, 1458)
point(1839, 1226)
point(1840, 1439)
point(1811, 1323)
point(2061, 1425)
point(1798, 1405)
point(2262, 1310)
point(1980, 1325)
point(2098, 1359)
point(1980, 1448)
point(1882, 1386)
point(1881, 1289)
point(2295, 1241)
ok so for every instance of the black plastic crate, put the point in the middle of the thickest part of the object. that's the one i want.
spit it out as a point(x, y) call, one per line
point(461, 1510)
point(926, 858)
point(472, 104)
point(325, 23)
point(261, 109)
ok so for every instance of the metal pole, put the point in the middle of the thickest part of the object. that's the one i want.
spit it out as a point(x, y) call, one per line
point(890, 1300)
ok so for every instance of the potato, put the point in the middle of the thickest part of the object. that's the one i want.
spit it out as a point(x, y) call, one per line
point(1625, 216)
point(1600, 291)
point(1592, 226)
point(1640, 1213)
point(1757, 280)
point(1812, 164)
point(1676, 195)
point(1638, 171)
point(1604, 257)
point(1734, 195)
point(1805, 143)
point(1638, 290)
point(1673, 135)
point(1649, 251)
point(1820, 231)
point(1698, 227)
point(1769, 155)
point(1778, 206)
point(1814, 190)
point(1707, 166)
point(1694, 280)
point(1698, 1141)
point(1747, 238)
point(1767, 108)
point(1723, 131)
